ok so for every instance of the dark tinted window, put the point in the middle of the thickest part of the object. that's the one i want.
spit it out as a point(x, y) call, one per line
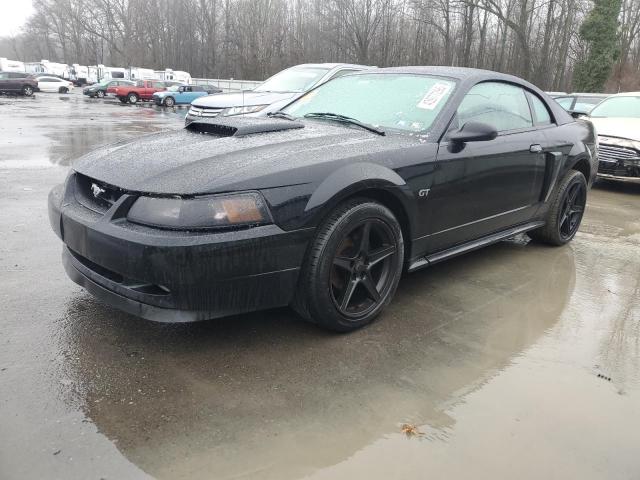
point(501, 105)
point(540, 111)
point(17, 75)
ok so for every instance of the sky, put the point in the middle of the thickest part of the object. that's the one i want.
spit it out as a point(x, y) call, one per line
point(13, 14)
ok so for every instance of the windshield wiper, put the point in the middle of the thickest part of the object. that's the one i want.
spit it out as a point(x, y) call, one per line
point(281, 114)
point(343, 118)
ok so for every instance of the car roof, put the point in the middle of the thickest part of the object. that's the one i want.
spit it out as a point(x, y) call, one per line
point(583, 94)
point(458, 73)
point(331, 66)
point(626, 94)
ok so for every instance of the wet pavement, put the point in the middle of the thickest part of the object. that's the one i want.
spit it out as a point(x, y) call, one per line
point(516, 361)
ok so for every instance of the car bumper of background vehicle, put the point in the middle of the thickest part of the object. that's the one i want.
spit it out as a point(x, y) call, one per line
point(627, 170)
point(170, 276)
point(604, 176)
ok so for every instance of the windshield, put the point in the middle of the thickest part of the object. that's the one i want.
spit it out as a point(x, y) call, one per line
point(297, 79)
point(396, 101)
point(105, 83)
point(628, 107)
point(173, 88)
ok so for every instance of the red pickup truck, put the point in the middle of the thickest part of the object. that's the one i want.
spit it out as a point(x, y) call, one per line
point(142, 90)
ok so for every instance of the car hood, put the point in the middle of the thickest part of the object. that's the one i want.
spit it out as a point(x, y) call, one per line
point(226, 100)
point(618, 127)
point(184, 162)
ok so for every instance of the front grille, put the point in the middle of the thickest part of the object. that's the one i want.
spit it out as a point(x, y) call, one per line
point(95, 195)
point(206, 112)
point(612, 153)
point(618, 161)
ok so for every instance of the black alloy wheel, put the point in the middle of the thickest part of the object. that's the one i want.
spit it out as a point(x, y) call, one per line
point(573, 205)
point(169, 101)
point(27, 90)
point(566, 209)
point(362, 268)
point(352, 268)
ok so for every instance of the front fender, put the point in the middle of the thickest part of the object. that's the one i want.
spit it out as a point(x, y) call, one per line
point(351, 178)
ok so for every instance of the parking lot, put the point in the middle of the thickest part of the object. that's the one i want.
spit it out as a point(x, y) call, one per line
point(516, 361)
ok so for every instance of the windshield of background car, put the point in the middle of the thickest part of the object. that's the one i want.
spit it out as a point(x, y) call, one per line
point(627, 107)
point(173, 88)
point(388, 100)
point(293, 80)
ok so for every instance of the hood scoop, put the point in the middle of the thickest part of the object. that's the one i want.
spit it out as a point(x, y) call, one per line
point(241, 126)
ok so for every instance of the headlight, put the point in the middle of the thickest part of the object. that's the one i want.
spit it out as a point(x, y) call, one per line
point(216, 211)
point(227, 112)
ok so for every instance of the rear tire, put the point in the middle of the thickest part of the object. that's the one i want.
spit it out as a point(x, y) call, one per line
point(132, 98)
point(565, 212)
point(352, 268)
point(27, 91)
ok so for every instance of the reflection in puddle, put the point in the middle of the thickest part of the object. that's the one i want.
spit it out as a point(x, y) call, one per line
point(38, 136)
point(230, 396)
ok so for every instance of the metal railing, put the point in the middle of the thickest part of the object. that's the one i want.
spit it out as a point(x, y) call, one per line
point(230, 85)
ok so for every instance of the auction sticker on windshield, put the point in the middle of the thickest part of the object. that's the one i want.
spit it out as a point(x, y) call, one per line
point(433, 96)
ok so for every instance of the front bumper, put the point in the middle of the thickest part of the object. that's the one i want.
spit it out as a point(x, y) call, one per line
point(171, 276)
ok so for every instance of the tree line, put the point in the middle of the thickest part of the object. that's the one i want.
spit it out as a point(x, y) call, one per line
point(556, 44)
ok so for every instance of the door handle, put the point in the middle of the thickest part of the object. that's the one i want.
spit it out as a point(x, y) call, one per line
point(535, 148)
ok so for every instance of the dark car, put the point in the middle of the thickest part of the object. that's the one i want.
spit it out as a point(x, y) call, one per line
point(580, 103)
point(323, 205)
point(17, 82)
point(99, 90)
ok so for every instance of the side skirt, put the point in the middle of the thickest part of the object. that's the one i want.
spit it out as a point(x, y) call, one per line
point(470, 246)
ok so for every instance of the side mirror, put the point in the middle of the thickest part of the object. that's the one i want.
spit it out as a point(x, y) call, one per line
point(473, 132)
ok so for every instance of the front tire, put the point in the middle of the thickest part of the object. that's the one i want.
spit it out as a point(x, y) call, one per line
point(565, 211)
point(132, 98)
point(27, 91)
point(353, 267)
point(169, 102)
point(63, 90)
point(100, 94)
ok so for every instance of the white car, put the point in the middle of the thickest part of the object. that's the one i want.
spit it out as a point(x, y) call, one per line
point(617, 121)
point(54, 84)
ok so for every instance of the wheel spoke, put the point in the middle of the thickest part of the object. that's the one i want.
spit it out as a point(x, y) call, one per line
point(364, 241)
point(380, 254)
point(348, 293)
point(344, 263)
point(371, 288)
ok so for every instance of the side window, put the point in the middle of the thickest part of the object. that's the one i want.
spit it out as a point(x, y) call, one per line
point(540, 111)
point(501, 105)
point(187, 89)
point(157, 84)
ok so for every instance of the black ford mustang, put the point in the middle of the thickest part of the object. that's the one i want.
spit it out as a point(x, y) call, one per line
point(323, 205)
